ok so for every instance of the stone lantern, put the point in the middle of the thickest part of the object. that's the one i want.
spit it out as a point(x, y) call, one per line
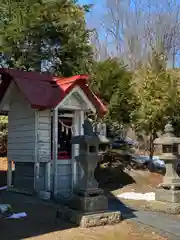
point(88, 206)
point(88, 197)
point(169, 188)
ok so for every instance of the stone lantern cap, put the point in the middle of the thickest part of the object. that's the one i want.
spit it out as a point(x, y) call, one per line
point(94, 139)
point(89, 137)
point(168, 138)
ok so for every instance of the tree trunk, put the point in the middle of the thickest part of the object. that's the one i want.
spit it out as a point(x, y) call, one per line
point(151, 144)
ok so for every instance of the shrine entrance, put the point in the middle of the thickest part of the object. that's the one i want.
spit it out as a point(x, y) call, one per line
point(67, 121)
point(65, 126)
point(64, 152)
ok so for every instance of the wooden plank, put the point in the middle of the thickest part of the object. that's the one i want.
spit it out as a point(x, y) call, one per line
point(65, 161)
point(21, 111)
point(45, 140)
point(20, 146)
point(48, 176)
point(44, 126)
point(44, 146)
point(46, 120)
point(21, 121)
point(24, 152)
point(23, 127)
point(21, 134)
point(22, 158)
point(20, 140)
point(55, 148)
point(45, 113)
point(45, 152)
point(64, 182)
point(64, 170)
point(42, 134)
point(44, 159)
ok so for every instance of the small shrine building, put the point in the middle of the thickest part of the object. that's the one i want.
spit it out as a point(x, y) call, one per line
point(44, 112)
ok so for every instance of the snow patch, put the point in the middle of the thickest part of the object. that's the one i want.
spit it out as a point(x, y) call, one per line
point(137, 196)
point(3, 188)
point(17, 215)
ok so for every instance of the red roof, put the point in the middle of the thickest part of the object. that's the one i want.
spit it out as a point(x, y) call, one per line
point(45, 91)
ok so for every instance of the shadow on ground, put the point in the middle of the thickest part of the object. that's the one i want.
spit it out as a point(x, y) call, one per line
point(112, 176)
point(3, 178)
point(41, 216)
point(111, 173)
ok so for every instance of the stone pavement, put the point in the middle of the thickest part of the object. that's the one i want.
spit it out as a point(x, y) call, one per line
point(164, 224)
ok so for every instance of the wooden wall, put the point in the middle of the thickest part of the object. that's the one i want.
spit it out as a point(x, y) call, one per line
point(21, 129)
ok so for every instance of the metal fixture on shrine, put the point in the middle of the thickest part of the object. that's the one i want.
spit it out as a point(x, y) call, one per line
point(169, 155)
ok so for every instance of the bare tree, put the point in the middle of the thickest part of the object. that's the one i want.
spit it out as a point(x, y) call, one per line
point(100, 48)
point(162, 31)
point(133, 28)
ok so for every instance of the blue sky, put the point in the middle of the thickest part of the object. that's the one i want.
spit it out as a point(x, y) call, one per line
point(87, 1)
point(94, 17)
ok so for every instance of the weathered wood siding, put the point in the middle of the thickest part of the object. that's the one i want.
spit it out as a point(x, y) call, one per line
point(44, 135)
point(21, 140)
point(43, 144)
point(42, 177)
point(21, 129)
point(64, 180)
point(24, 176)
point(64, 171)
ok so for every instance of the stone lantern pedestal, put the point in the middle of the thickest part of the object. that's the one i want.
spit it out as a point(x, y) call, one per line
point(89, 206)
point(167, 194)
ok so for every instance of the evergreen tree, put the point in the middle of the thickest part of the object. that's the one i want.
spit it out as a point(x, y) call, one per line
point(112, 83)
point(47, 35)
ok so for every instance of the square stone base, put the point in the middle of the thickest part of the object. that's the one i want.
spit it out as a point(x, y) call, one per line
point(165, 207)
point(44, 195)
point(87, 220)
point(21, 191)
point(89, 204)
point(166, 195)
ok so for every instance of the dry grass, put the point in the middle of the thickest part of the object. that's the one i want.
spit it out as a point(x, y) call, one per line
point(125, 231)
point(3, 164)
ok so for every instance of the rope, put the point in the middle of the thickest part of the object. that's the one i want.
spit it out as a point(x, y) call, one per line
point(66, 126)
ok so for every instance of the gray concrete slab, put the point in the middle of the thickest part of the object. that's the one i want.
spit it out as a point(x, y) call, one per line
point(165, 224)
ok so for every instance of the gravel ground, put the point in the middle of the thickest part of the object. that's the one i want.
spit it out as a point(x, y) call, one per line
point(41, 224)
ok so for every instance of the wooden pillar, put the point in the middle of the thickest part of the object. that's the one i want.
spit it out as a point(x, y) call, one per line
point(81, 132)
point(48, 177)
point(9, 174)
point(81, 129)
point(36, 160)
point(78, 121)
point(9, 163)
point(55, 149)
point(36, 176)
point(75, 148)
